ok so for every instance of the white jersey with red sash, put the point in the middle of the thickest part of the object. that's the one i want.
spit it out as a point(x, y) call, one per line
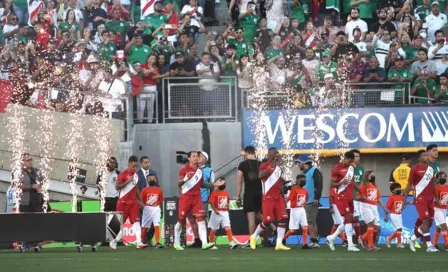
point(193, 180)
point(272, 185)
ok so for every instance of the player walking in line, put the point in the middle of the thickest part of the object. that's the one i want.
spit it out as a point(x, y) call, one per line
point(219, 201)
point(190, 183)
point(337, 218)
point(273, 201)
point(395, 205)
point(440, 210)
point(129, 200)
point(152, 198)
point(422, 180)
point(342, 178)
point(369, 209)
point(298, 198)
point(359, 176)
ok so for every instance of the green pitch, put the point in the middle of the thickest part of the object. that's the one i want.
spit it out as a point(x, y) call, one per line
point(263, 259)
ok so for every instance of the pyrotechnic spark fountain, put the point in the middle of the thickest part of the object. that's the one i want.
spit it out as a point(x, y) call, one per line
point(102, 130)
point(288, 139)
point(73, 148)
point(341, 111)
point(16, 128)
point(46, 123)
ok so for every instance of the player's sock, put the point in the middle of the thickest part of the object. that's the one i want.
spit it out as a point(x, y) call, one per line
point(143, 236)
point(229, 234)
point(304, 235)
point(212, 235)
point(349, 233)
point(342, 236)
point(392, 236)
point(435, 240)
point(398, 236)
point(427, 239)
point(177, 230)
point(280, 233)
point(333, 229)
point(445, 236)
point(338, 231)
point(202, 229)
point(157, 234)
point(369, 236)
point(288, 233)
point(137, 231)
point(357, 227)
point(417, 225)
point(260, 228)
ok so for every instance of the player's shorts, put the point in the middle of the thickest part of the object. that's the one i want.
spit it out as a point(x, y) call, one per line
point(297, 218)
point(151, 215)
point(370, 213)
point(439, 216)
point(344, 206)
point(190, 204)
point(274, 209)
point(356, 208)
point(130, 211)
point(337, 218)
point(251, 203)
point(397, 220)
point(311, 213)
point(219, 220)
point(424, 207)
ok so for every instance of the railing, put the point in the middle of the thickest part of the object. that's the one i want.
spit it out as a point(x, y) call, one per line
point(425, 100)
point(377, 94)
point(196, 98)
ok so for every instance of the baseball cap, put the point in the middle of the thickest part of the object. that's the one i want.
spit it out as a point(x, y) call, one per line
point(304, 158)
point(418, 37)
point(435, 3)
point(326, 54)
point(178, 54)
point(328, 76)
point(204, 154)
point(399, 57)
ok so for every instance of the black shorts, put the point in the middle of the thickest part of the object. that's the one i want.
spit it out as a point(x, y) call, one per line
point(251, 203)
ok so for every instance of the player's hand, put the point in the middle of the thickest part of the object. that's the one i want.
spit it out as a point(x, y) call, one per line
point(315, 202)
point(130, 178)
point(362, 197)
point(216, 212)
point(436, 201)
point(344, 181)
point(331, 210)
point(141, 205)
point(219, 182)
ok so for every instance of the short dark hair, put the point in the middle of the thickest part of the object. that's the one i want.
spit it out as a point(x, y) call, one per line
point(420, 152)
point(249, 150)
point(437, 32)
point(350, 155)
point(356, 151)
point(444, 75)
point(151, 174)
point(431, 146)
point(191, 153)
point(356, 29)
point(205, 54)
point(272, 148)
point(299, 176)
point(394, 186)
point(143, 158)
point(133, 158)
point(340, 33)
point(423, 50)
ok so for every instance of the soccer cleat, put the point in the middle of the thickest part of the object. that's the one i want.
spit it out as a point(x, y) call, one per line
point(21, 249)
point(214, 248)
point(196, 244)
point(37, 249)
point(400, 245)
point(158, 245)
point(284, 242)
point(253, 242)
point(94, 248)
point(246, 245)
point(79, 248)
point(374, 248)
point(306, 247)
point(344, 243)
point(312, 244)
point(207, 246)
point(412, 245)
point(134, 244)
point(353, 249)
point(362, 243)
point(233, 245)
point(142, 246)
point(432, 249)
point(178, 247)
point(282, 247)
point(330, 242)
point(113, 244)
point(315, 245)
point(388, 242)
point(417, 245)
point(437, 246)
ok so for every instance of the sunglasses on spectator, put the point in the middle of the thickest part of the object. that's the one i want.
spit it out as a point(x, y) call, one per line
point(14, 19)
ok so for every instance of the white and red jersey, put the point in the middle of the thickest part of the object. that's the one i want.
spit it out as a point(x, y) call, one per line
point(272, 185)
point(340, 172)
point(422, 179)
point(193, 180)
point(128, 194)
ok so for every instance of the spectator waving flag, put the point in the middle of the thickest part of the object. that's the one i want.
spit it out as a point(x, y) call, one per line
point(147, 7)
point(34, 7)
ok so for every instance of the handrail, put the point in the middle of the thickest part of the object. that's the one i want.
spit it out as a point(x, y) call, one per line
point(229, 162)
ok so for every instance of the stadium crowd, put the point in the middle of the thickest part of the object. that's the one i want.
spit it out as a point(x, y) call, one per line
point(95, 53)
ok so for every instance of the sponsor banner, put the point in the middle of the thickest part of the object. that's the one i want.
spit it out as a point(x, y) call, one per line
point(374, 130)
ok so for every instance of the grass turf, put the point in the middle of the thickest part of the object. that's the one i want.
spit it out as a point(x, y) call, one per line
point(263, 259)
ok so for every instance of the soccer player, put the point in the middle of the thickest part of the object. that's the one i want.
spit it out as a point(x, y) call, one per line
point(359, 174)
point(337, 218)
point(440, 210)
point(433, 154)
point(369, 209)
point(273, 201)
point(298, 197)
point(219, 201)
point(190, 183)
point(342, 178)
point(422, 179)
point(129, 200)
point(152, 198)
point(395, 205)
